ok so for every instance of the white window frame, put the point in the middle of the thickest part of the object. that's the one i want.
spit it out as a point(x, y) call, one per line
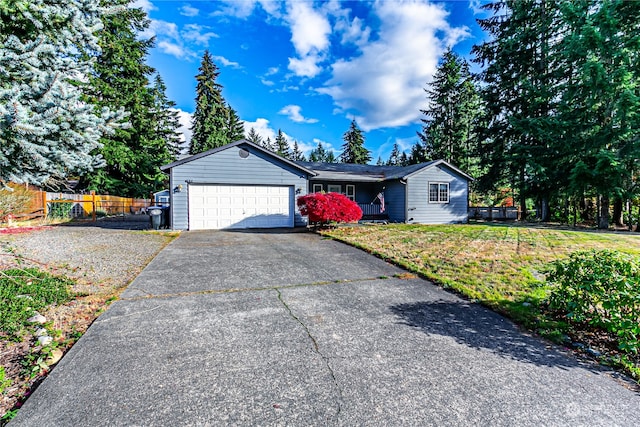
point(439, 193)
point(317, 188)
point(334, 188)
point(350, 192)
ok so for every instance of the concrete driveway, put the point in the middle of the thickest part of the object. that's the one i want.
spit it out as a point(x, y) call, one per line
point(285, 328)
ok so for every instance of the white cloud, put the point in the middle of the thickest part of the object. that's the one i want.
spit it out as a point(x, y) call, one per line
point(310, 32)
point(271, 71)
point(475, 6)
point(353, 31)
point(197, 34)
point(188, 10)
point(383, 86)
point(145, 5)
point(267, 82)
point(244, 8)
point(224, 61)
point(262, 127)
point(178, 51)
point(293, 112)
point(174, 41)
point(184, 129)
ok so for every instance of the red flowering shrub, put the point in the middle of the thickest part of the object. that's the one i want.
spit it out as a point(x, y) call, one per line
point(324, 208)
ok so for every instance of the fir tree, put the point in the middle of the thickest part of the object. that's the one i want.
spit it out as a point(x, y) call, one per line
point(394, 157)
point(253, 136)
point(447, 132)
point(282, 146)
point(418, 154)
point(318, 154)
point(135, 152)
point(330, 157)
point(235, 128)
point(379, 162)
point(210, 119)
point(167, 118)
point(268, 144)
point(296, 154)
point(46, 130)
point(353, 149)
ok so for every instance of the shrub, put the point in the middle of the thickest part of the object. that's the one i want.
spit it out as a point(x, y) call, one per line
point(14, 199)
point(60, 209)
point(324, 208)
point(601, 289)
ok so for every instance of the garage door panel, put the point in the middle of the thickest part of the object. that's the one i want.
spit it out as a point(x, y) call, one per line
point(235, 206)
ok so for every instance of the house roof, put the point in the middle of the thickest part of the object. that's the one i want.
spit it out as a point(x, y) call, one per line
point(235, 144)
point(371, 173)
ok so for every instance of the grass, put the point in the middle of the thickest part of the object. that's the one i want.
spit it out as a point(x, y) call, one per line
point(25, 291)
point(501, 266)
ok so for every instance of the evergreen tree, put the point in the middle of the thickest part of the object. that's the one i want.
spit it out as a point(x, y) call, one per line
point(211, 116)
point(253, 136)
point(404, 159)
point(235, 128)
point(296, 154)
point(46, 130)
point(282, 146)
point(268, 144)
point(330, 157)
point(453, 103)
point(518, 145)
point(318, 154)
point(135, 152)
point(353, 149)
point(167, 118)
point(418, 154)
point(379, 162)
point(394, 157)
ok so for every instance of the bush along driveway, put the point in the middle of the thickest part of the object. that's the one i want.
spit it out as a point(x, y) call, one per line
point(594, 294)
point(289, 328)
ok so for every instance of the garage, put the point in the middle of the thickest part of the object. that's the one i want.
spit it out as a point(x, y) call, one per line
point(239, 185)
point(213, 207)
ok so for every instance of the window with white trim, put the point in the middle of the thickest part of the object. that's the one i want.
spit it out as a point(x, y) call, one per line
point(317, 188)
point(351, 192)
point(438, 192)
point(334, 188)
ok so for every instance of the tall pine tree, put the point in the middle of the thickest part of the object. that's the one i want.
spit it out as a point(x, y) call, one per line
point(211, 117)
point(253, 136)
point(447, 131)
point(166, 117)
point(46, 129)
point(135, 152)
point(353, 149)
point(235, 128)
point(282, 145)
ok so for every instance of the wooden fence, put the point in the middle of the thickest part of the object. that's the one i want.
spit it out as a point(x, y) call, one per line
point(49, 204)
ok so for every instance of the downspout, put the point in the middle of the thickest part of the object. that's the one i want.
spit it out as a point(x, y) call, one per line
point(406, 200)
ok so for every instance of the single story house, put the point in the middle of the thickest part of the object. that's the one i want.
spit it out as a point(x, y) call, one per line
point(243, 185)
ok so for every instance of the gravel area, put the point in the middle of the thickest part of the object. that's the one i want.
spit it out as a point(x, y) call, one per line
point(102, 257)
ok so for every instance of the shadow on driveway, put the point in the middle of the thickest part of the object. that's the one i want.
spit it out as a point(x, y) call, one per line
point(476, 327)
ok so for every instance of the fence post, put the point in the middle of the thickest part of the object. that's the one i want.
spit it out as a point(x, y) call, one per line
point(93, 202)
point(44, 204)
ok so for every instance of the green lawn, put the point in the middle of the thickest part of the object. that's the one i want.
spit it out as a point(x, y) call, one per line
point(501, 266)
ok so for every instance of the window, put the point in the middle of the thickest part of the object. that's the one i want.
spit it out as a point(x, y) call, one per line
point(351, 192)
point(333, 188)
point(317, 188)
point(438, 192)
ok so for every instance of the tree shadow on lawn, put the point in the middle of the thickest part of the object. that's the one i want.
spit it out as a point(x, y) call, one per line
point(477, 327)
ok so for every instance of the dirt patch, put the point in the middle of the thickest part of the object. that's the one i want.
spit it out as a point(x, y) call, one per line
point(102, 260)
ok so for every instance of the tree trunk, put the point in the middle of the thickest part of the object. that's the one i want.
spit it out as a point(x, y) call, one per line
point(603, 214)
point(545, 212)
point(629, 213)
point(617, 212)
point(523, 208)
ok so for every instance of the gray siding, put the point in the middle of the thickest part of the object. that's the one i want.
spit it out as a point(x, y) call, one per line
point(227, 167)
point(418, 206)
point(394, 199)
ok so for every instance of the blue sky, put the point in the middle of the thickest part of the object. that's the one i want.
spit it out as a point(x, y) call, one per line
point(309, 68)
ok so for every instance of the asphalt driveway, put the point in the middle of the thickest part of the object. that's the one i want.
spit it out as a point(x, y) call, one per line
point(286, 328)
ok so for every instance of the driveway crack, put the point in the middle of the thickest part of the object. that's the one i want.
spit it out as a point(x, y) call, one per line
point(316, 348)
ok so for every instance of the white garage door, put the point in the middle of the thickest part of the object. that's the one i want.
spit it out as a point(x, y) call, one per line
point(239, 206)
